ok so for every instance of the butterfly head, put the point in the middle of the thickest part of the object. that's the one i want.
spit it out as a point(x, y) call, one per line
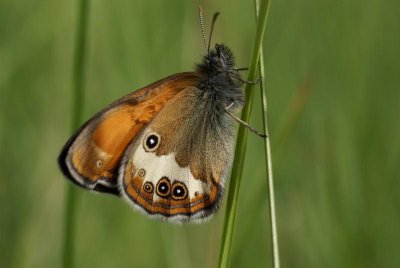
point(219, 64)
point(220, 59)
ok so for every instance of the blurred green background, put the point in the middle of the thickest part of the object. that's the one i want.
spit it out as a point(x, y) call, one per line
point(334, 106)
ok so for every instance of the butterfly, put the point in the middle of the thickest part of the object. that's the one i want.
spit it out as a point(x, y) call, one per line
point(165, 148)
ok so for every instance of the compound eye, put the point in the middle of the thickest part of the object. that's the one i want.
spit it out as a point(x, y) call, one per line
point(151, 142)
point(179, 191)
point(163, 188)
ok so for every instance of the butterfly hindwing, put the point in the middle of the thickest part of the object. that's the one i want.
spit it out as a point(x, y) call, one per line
point(176, 169)
point(91, 157)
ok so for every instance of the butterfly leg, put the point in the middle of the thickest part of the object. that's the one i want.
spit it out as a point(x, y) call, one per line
point(242, 69)
point(252, 82)
point(240, 121)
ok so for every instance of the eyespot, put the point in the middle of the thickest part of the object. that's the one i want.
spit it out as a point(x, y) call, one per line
point(151, 142)
point(99, 163)
point(142, 172)
point(179, 191)
point(163, 188)
point(148, 187)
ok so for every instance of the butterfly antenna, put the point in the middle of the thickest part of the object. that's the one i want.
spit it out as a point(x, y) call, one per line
point(212, 29)
point(202, 27)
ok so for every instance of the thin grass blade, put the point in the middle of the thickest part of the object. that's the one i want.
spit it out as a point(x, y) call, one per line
point(77, 108)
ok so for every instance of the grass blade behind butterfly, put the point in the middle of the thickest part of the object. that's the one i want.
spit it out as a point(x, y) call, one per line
point(268, 158)
point(237, 170)
point(77, 108)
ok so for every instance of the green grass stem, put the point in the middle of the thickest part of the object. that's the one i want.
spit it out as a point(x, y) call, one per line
point(268, 159)
point(240, 151)
point(77, 108)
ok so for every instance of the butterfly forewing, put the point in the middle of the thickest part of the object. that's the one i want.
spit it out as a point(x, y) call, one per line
point(93, 154)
